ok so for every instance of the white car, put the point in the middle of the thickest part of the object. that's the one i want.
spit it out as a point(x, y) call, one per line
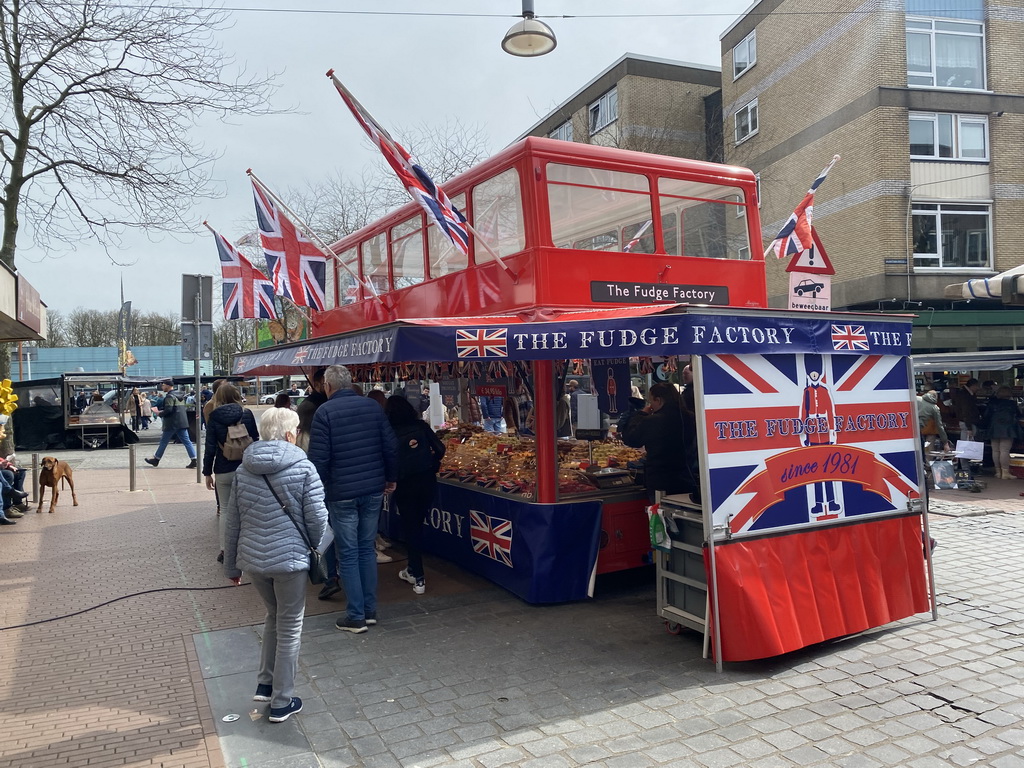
point(295, 394)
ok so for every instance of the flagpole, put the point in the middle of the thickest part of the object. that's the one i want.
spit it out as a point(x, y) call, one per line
point(387, 136)
point(320, 245)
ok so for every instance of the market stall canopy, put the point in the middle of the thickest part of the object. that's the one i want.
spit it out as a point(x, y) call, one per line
point(970, 361)
point(984, 288)
point(650, 332)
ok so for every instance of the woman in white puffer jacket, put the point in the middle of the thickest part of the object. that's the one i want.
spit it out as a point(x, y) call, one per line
point(262, 540)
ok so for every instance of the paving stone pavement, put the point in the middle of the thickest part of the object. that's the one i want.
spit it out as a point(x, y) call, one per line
point(484, 680)
point(468, 675)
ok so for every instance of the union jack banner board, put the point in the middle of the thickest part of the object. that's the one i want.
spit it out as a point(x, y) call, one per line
point(798, 440)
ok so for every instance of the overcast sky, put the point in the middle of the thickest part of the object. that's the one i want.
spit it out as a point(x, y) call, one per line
point(406, 70)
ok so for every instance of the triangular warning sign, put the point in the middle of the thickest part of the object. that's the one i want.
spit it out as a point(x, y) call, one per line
point(813, 260)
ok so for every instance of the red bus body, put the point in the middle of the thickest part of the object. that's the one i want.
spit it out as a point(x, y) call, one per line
point(547, 278)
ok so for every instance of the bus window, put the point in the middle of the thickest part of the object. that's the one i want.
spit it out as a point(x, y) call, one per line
point(348, 286)
point(445, 257)
point(709, 227)
point(606, 241)
point(498, 216)
point(592, 205)
point(638, 237)
point(407, 252)
point(375, 262)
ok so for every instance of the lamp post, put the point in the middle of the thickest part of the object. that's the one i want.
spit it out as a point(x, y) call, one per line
point(529, 37)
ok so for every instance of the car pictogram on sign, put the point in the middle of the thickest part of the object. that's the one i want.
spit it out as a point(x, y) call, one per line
point(808, 286)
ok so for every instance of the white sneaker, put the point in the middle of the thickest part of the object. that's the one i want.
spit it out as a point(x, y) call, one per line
point(381, 543)
point(420, 587)
point(382, 558)
point(404, 575)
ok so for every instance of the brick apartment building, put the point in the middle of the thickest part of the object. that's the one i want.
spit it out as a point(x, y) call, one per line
point(923, 101)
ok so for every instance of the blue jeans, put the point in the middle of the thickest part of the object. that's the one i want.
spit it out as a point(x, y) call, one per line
point(355, 529)
point(182, 435)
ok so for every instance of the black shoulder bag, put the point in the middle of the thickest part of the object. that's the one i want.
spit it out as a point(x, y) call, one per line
point(317, 566)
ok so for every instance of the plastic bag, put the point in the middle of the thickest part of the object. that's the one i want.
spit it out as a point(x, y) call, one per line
point(970, 450)
point(659, 536)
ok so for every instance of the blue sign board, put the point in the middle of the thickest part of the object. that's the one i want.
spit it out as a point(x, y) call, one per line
point(544, 553)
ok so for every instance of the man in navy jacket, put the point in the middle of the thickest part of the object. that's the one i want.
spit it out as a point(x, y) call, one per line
point(354, 450)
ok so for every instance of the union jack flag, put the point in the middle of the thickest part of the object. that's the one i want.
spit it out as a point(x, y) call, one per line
point(416, 181)
point(246, 291)
point(297, 266)
point(491, 536)
point(482, 342)
point(795, 235)
point(849, 338)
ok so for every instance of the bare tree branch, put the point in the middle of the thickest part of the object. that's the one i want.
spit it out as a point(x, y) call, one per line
point(100, 101)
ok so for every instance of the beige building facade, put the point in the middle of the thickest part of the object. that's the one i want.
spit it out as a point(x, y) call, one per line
point(922, 99)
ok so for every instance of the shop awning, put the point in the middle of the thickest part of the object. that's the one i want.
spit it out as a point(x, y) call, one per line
point(984, 287)
point(970, 361)
point(661, 332)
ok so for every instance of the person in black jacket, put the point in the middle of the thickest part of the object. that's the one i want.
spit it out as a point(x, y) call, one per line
point(219, 470)
point(419, 458)
point(667, 431)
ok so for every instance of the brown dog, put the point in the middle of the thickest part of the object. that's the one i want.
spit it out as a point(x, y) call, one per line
point(52, 473)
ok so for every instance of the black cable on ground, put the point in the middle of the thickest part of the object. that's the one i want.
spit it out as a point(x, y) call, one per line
point(123, 597)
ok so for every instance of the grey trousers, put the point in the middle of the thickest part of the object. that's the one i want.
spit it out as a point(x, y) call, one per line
point(285, 598)
point(223, 483)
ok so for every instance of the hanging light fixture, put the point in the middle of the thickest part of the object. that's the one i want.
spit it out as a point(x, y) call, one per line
point(529, 37)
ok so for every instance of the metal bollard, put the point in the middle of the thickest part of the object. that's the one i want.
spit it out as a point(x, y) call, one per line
point(131, 467)
point(35, 477)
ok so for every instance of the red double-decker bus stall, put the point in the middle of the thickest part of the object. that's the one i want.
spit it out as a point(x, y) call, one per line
point(584, 259)
point(810, 525)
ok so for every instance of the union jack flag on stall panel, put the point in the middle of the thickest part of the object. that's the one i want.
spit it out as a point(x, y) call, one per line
point(795, 235)
point(416, 181)
point(481, 342)
point(491, 536)
point(851, 338)
point(246, 291)
point(297, 267)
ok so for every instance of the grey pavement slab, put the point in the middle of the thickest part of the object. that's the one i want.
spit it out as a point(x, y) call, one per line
point(481, 679)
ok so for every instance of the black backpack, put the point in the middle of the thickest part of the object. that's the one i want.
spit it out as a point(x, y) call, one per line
point(415, 453)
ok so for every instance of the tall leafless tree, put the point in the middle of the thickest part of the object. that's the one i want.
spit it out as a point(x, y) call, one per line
point(99, 99)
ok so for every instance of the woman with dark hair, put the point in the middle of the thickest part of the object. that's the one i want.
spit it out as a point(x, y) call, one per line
point(419, 458)
point(283, 400)
point(666, 429)
point(218, 469)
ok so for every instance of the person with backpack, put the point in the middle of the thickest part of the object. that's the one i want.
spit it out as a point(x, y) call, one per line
point(229, 431)
point(419, 459)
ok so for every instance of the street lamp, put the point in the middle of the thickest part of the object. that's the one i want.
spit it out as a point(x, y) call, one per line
point(529, 37)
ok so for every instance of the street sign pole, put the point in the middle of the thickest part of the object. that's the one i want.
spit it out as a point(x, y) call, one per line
point(198, 390)
point(197, 331)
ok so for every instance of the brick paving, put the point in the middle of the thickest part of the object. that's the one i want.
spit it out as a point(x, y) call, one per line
point(468, 675)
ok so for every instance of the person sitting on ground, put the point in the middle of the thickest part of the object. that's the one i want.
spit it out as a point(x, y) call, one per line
point(263, 540)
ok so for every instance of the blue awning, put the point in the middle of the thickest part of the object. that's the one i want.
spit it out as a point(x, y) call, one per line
point(674, 332)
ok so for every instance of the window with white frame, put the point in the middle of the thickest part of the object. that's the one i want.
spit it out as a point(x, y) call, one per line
point(744, 55)
point(952, 235)
point(938, 135)
point(604, 111)
point(562, 132)
point(945, 54)
point(746, 121)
